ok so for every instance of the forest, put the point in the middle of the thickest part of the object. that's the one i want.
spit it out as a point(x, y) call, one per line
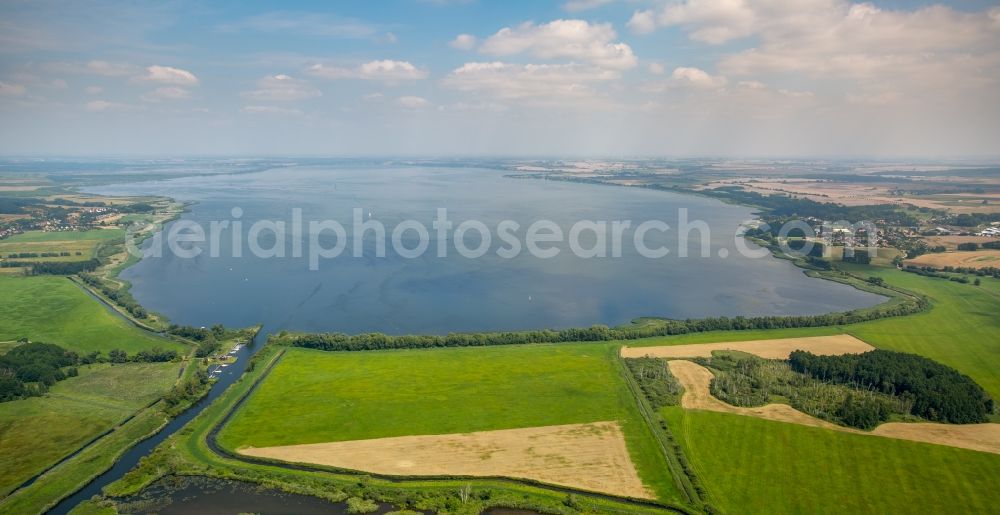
point(937, 392)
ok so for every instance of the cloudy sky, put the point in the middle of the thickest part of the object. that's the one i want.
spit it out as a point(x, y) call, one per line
point(501, 77)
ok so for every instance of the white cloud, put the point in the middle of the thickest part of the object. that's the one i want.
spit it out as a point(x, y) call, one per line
point(93, 67)
point(642, 22)
point(167, 93)
point(564, 82)
point(480, 107)
point(386, 70)
point(463, 42)
point(373, 97)
point(105, 105)
point(874, 99)
point(108, 69)
point(714, 21)
point(256, 109)
point(412, 102)
point(583, 5)
point(93, 90)
point(168, 75)
point(282, 88)
point(657, 69)
point(930, 53)
point(11, 90)
point(697, 78)
point(570, 39)
point(751, 84)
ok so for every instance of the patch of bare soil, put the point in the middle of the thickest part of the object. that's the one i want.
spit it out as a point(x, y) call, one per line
point(587, 456)
point(769, 349)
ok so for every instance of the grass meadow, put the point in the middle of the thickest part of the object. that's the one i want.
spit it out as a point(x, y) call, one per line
point(751, 465)
point(38, 431)
point(52, 309)
point(315, 396)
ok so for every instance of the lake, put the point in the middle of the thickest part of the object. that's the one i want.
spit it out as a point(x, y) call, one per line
point(432, 294)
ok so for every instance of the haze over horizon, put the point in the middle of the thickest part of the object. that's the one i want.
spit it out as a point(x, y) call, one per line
point(437, 77)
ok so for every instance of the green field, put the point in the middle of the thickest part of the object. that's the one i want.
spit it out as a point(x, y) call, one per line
point(36, 432)
point(315, 396)
point(961, 330)
point(44, 236)
point(81, 245)
point(52, 309)
point(751, 465)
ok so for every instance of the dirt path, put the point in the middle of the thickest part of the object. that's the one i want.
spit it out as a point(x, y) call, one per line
point(696, 379)
point(588, 456)
point(769, 349)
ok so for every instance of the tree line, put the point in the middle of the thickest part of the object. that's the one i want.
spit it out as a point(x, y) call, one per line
point(119, 296)
point(664, 327)
point(939, 393)
point(64, 268)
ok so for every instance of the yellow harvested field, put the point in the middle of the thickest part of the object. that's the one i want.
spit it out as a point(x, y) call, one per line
point(951, 242)
point(696, 380)
point(964, 259)
point(586, 456)
point(769, 349)
point(863, 194)
point(979, 437)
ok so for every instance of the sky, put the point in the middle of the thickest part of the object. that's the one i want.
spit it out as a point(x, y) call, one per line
point(611, 78)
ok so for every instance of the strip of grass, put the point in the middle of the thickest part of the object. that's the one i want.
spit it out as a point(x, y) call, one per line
point(315, 396)
point(38, 431)
point(758, 466)
point(54, 310)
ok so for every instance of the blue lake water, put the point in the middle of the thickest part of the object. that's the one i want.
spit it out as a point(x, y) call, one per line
point(430, 294)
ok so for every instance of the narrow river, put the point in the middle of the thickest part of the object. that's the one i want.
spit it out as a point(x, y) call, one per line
point(129, 460)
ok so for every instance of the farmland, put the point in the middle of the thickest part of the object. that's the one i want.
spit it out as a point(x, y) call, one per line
point(589, 456)
point(316, 397)
point(54, 310)
point(771, 349)
point(791, 468)
point(37, 431)
point(960, 259)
